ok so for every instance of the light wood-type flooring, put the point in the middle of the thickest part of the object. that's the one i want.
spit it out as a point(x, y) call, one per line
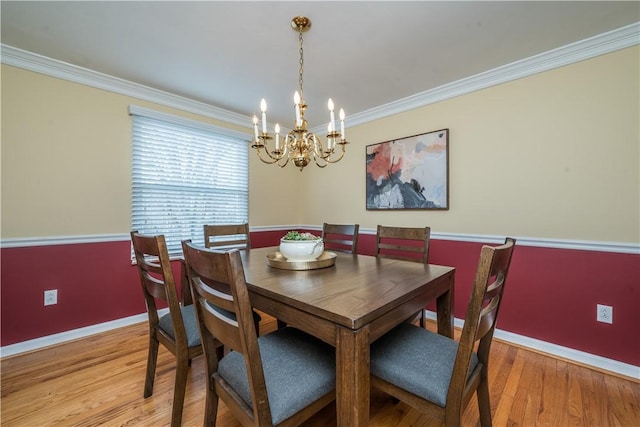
point(98, 381)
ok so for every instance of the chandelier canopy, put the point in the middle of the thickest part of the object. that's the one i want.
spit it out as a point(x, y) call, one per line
point(299, 145)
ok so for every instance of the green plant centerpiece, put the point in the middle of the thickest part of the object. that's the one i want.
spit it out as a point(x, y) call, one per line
point(301, 247)
point(294, 235)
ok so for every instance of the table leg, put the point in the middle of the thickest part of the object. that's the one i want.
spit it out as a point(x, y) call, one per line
point(352, 377)
point(444, 305)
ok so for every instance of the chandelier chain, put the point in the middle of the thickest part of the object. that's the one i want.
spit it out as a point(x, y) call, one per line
point(301, 62)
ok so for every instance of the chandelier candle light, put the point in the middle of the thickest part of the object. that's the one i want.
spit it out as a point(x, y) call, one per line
point(299, 145)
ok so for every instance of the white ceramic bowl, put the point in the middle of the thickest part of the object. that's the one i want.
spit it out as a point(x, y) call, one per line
point(301, 250)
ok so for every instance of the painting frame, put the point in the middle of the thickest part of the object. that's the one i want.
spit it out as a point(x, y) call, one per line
point(409, 173)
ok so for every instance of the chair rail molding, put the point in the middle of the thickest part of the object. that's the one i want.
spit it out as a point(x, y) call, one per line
point(584, 245)
point(22, 242)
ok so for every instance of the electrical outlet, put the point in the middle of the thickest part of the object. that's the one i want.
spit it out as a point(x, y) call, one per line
point(51, 297)
point(604, 313)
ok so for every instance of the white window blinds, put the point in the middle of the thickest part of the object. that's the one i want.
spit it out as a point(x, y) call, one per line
point(186, 174)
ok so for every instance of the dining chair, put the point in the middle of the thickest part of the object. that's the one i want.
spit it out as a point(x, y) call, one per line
point(436, 374)
point(227, 236)
point(341, 237)
point(403, 243)
point(406, 244)
point(281, 378)
point(177, 330)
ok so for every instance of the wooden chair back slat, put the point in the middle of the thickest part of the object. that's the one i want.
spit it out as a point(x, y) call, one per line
point(399, 247)
point(226, 327)
point(341, 237)
point(403, 243)
point(228, 236)
point(156, 277)
point(155, 287)
point(488, 317)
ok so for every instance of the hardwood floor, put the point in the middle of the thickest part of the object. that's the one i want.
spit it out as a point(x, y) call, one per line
point(99, 381)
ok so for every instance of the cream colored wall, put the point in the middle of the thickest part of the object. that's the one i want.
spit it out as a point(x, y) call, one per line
point(273, 193)
point(66, 160)
point(554, 155)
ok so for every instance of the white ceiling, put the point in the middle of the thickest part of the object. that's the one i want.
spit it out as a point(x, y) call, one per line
point(362, 54)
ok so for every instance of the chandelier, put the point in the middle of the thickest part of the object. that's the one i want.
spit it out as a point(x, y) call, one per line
point(299, 145)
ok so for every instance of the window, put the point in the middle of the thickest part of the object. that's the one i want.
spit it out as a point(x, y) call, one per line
point(186, 174)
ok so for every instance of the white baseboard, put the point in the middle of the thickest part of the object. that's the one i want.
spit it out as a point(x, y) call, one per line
point(581, 357)
point(577, 356)
point(62, 337)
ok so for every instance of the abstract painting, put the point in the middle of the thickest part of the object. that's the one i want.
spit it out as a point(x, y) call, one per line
point(409, 173)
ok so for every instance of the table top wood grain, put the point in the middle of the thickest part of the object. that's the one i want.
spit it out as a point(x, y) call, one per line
point(352, 293)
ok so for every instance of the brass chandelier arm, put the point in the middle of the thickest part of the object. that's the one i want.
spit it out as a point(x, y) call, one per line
point(272, 159)
point(342, 151)
point(328, 159)
point(269, 162)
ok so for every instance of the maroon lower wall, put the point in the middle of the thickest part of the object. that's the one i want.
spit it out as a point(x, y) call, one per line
point(551, 294)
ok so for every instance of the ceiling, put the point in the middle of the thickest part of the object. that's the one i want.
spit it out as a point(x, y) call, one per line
point(362, 54)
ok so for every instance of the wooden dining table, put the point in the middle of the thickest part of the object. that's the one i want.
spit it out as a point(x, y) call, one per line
point(349, 305)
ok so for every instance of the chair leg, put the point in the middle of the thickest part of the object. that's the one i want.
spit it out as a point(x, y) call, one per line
point(211, 406)
point(152, 359)
point(182, 369)
point(257, 325)
point(483, 403)
point(422, 319)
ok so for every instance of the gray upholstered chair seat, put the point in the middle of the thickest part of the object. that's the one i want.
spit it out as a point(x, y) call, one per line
point(298, 369)
point(417, 360)
point(190, 325)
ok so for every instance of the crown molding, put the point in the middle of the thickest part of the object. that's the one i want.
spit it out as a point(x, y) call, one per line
point(65, 71)
point(137, 110)
point(601, 44)
point(579, 51)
